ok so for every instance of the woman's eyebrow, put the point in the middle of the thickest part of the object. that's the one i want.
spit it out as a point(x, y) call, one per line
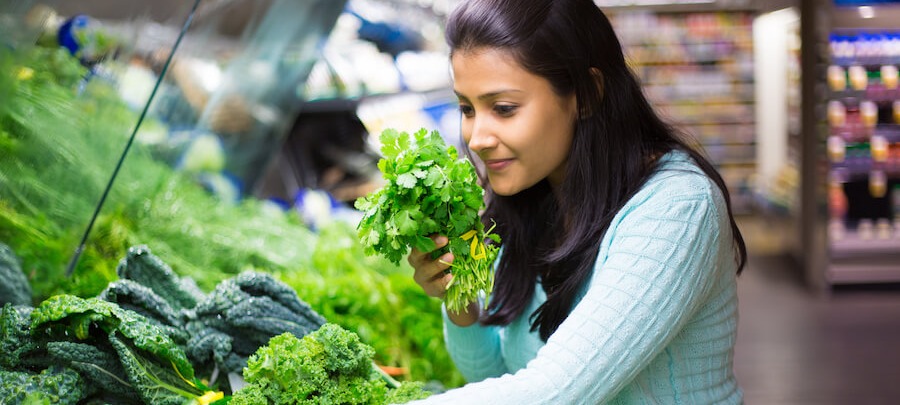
point(489, 95)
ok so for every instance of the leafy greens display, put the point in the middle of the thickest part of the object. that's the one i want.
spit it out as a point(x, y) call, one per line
point(430, 191)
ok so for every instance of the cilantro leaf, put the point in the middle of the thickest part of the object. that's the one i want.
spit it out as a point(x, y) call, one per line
point(429, 190)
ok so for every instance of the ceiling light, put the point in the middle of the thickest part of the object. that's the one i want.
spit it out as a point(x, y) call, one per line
point(866, 11)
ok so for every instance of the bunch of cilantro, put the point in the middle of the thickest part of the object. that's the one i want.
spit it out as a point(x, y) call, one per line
point(430, 191)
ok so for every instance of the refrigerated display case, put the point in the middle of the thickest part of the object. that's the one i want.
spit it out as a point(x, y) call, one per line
point(850, 137)
point(863, 144)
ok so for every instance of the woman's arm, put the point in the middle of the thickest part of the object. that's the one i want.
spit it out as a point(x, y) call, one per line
point(475, 349)
point(658, 271)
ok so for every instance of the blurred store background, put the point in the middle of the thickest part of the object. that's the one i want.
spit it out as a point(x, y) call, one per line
point(255, 137)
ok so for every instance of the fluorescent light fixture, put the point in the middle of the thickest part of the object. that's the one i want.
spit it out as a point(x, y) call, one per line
point(866, 11)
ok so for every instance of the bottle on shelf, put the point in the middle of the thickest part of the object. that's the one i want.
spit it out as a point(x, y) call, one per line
point(837, 78)
point(865, 230)
point(889, 76)
point(869, 113)
point(897, 112)
point(859, 78)
point(877, 183)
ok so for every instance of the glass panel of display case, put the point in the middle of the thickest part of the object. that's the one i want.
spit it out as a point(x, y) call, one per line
point(66, 116)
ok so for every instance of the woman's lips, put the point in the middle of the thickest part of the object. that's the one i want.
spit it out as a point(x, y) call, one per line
point(497, 164)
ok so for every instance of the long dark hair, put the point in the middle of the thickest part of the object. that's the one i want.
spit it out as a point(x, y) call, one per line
point(618, 138)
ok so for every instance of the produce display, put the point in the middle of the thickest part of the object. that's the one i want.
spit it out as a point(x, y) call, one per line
point(163, 342)
point(59, 136)
point(430, 191)
point(118, 356)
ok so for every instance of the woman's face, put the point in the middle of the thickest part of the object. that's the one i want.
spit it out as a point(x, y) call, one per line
point(512, 119)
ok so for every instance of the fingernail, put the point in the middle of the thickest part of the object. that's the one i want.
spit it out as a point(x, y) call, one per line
point(441, 240)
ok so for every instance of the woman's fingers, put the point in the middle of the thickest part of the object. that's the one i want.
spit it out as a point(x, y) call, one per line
point(432, 274)
point(418, 257)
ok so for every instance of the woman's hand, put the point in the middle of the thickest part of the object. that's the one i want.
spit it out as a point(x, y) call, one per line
point(433, 276)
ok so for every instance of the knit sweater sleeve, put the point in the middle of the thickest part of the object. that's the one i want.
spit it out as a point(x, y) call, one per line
point(660, 265)
point(475, 349)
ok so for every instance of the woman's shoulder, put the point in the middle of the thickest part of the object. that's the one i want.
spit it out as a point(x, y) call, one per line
point(678, 177)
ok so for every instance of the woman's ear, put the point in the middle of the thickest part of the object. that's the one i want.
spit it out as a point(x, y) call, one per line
point(584, 111)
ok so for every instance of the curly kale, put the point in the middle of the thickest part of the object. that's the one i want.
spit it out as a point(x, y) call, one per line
point(55, 385)
point(142, 267)
point(406, 392)
point(328, 366)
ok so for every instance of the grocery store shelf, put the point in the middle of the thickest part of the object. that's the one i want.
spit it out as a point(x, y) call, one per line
point(860, 273)
point(852, 245)
point(857, 260)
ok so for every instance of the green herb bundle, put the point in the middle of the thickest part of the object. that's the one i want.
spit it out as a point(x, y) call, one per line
point(430, 191)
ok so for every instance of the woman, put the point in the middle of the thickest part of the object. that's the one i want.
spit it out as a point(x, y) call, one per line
point(616, 280)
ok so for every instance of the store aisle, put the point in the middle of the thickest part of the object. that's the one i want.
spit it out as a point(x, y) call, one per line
point(796, 347)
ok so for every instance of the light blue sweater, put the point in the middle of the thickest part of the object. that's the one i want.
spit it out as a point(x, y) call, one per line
point(656, 324)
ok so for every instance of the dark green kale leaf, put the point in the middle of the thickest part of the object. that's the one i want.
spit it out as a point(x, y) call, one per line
point(15, 288)
point(156, 382)
point(15, 336)
point(241, 315)
point(55, 385)
point(144, 268)
point(101, 367)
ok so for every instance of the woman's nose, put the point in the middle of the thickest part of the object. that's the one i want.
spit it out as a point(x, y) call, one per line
point(481, 136)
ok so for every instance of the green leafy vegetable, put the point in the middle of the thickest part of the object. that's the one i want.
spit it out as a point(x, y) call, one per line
point(429, 191)
point(242, 314)
point(328, 366)
point(144, 268)
point(155, 381)
point(100, 366)
point(15, 336)
point(15, 288)
point(156, 368)
point(55, 385)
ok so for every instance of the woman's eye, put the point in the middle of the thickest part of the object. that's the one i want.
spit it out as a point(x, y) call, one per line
point(504, 110)
point(467, 110)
